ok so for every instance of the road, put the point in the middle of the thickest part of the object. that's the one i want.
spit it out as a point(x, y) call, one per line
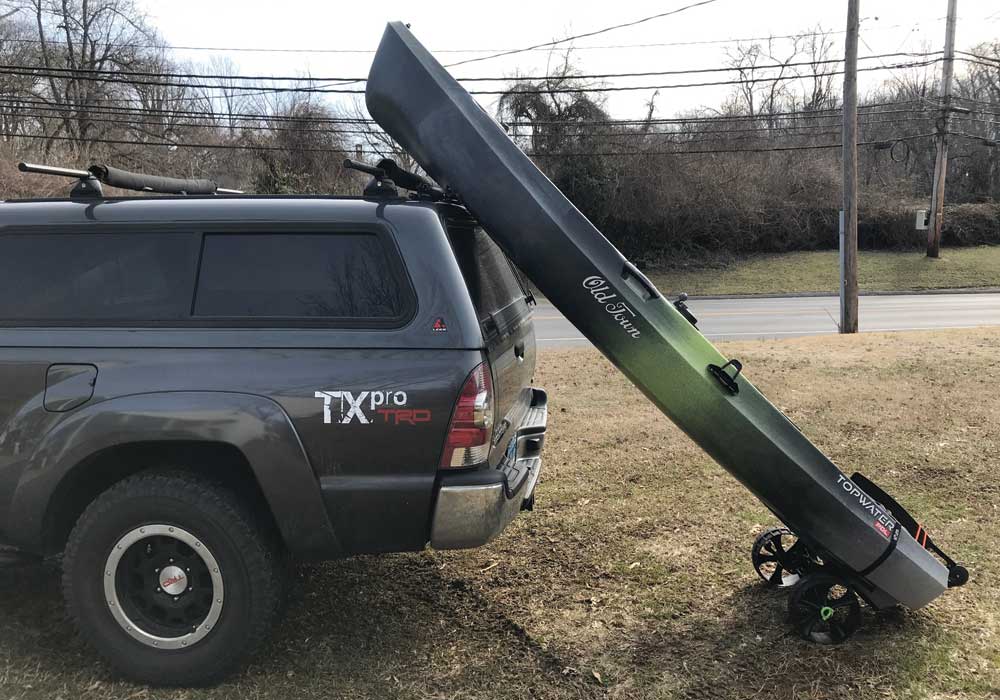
point(741, 319)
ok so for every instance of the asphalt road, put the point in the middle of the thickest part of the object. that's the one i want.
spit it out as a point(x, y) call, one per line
point(741, 319)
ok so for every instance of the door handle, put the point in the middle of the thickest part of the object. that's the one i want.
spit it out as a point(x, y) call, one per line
point(519, 350)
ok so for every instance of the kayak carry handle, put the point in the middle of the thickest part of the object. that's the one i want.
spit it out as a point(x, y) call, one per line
point(725, 379)
point(639, 282)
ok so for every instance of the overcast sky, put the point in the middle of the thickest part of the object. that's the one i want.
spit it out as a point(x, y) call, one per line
point(447, 28)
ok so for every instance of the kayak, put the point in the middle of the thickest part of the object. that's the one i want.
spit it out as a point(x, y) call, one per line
point(844, 528)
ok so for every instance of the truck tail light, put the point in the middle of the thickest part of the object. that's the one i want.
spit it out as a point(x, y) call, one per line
point(471, 430)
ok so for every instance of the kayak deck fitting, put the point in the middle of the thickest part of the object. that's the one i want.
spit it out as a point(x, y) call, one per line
point(843, 537)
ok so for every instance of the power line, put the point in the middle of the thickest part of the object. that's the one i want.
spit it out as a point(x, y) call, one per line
point(806, 130)
point(175, 144)
point(992, 143)
point(547, 44)
point(34, 106)
point(112, 80)
point(261, 49)
point(978, 102)
point(758, 130)
point(793, 115)
point(990, 59)
point(179, 144)
point(790, 115)
point(151, 111)
point(880, 142)
point(195, 125)
point(626, 88)
point(71, 73)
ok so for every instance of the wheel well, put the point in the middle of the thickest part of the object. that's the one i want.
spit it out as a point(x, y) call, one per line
point(218, 461)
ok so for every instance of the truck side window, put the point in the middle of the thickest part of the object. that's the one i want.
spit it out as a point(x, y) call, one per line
point(299, 275)
point(75, 279)
point(490, 277)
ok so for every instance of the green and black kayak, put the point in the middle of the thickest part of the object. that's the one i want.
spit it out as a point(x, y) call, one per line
point(847, 524)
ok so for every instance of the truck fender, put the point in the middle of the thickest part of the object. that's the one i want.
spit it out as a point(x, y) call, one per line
point(257, 426)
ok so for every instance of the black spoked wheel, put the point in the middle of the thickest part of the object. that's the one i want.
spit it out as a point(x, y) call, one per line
point(172, 578)
point(167, 585)
point(825, 609)
point(773, 558)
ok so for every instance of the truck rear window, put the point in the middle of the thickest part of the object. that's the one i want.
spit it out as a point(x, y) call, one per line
point(489, 275)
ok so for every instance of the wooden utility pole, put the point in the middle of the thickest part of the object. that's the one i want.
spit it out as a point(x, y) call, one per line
point(849, 215)
point(941, 162)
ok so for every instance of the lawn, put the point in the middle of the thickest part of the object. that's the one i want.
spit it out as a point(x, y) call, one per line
point(819, 271)
point(631, 579)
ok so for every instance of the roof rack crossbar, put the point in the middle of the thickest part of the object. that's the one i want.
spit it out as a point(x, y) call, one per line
point(87, 185)
point(89, 181)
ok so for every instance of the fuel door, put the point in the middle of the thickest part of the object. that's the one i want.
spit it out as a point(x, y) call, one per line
point(69, 386)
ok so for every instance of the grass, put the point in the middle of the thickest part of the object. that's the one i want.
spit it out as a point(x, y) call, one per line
point(631, 579)
point(819, 271)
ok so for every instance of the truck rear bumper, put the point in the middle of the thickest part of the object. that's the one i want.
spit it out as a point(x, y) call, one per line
point(474, 507)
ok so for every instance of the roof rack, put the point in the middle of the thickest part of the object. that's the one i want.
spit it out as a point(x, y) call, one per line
point(387, 175)
point(89, 181)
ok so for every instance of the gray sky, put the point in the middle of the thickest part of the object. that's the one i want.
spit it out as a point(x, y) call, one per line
point(887, 26)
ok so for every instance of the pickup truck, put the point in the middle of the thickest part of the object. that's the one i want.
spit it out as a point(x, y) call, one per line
point(196, 390)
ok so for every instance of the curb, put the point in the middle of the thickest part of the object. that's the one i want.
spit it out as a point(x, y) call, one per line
point(799, 295)
point(898, 293)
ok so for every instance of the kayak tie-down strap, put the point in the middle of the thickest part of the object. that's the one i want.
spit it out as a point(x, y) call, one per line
point(725, 379)
point(893, 541)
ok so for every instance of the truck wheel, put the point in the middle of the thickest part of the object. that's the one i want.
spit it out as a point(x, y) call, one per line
point(171, 580)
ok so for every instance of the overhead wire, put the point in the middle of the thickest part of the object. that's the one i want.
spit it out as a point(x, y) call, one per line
point(112, 80)
point(776, 131)
point(604, 30)
point(251, 147)
point(277, 50)
point(72, 72)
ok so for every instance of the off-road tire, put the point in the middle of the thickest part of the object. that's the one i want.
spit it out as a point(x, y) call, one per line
point(249, 558)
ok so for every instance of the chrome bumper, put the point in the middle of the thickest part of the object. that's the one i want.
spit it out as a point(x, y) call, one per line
point(474, 507)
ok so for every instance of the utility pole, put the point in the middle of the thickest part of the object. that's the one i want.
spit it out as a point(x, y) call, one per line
point(849, 215)
point(941, 162)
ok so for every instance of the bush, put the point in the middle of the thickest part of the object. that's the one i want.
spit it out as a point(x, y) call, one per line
point(699, 232)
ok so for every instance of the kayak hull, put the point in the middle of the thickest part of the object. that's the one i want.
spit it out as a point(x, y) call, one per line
point(424, 109)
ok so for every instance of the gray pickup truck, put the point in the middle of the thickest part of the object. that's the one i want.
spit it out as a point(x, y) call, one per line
point(195, 390)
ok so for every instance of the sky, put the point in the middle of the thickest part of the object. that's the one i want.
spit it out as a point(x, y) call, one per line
point(461, 30)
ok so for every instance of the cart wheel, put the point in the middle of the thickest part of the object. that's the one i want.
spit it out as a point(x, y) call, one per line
point(824, 609)
point(957, 576)
point(771, 558)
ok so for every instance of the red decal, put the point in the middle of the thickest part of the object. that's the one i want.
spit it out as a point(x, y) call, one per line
point(883, 530)
point(405, 416)
point(439, 326)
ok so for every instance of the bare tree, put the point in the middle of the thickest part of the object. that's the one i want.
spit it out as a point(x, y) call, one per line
point(17, 108)
point(302, 153)
point(368, 140)
point(764, 86)
point(819, 90)
point(81, 43)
